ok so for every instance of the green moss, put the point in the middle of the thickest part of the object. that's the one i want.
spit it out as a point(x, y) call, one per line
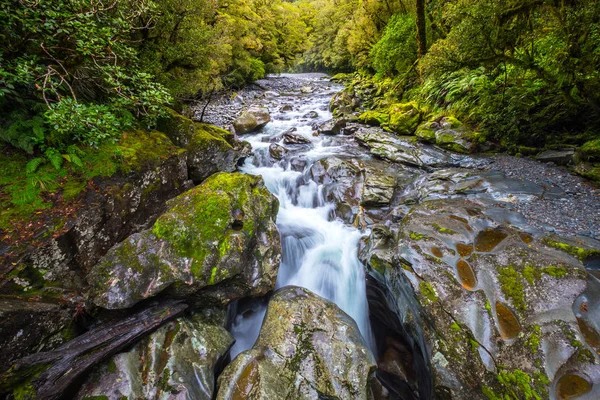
point(428, 292)
point(512, 286)
point(488, 307)
point(575, 251)
point(403, 118)
point(531, 274)
point(416, 236)
point(590, 150)
point(374, 118)
point(533, 342)
point(455, 327)
point(443, 230)
point(557, 272)
point(73, 188)
point(112, 366)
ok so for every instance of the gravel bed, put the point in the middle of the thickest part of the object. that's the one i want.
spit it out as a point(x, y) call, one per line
point(577, 212)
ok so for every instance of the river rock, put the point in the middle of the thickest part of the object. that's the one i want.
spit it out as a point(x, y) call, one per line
point(311, 114)
point(560, 157)
point(501, 301)
point(331, 127)
point(251, 120)
point(449, 133)
point(404, 150)
point(178, 361)
point(344, 102)
point(357, 185)
point(219, 236)
point(286, 108)
point(209, 149)
point(307, 348)
point(277, 152)
point(294, 138)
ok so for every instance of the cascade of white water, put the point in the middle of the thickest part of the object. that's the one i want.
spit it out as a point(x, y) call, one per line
point(318, 252)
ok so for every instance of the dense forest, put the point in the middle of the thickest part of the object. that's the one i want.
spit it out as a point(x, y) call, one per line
point(78, 72)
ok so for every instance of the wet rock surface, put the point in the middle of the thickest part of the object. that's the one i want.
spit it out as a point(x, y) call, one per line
point(222, 231)
point(307, 348)
point(178, 361)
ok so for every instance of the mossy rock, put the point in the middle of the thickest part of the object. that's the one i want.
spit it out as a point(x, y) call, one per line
point(492, 293)
point(588, 170)
point(449, 133)
point(374, 118)
point(222, 230)
point(251, 120)
point(209, 149)
point(590, 151)
point(307, 348)
point(404, 118)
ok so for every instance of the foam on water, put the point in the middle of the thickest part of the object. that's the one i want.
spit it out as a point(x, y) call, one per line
point(318, 252)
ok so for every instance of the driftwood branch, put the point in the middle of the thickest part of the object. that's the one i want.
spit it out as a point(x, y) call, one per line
point(62, 367)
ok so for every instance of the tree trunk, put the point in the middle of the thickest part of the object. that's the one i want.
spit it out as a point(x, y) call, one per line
point(421, 28)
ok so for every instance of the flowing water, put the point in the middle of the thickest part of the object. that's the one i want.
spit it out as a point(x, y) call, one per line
point(318, 251)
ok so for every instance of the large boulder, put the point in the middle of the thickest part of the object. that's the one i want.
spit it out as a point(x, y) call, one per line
point(399, 118)
point(504, 311)
point(449, 133)
point(307, 348)
point(403, 149)
point(219, 236)
point(254, 118)
point(209, 149)
point(178, 361)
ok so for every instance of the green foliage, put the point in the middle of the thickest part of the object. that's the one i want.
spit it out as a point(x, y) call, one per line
point(396, 51)
point(525, 72)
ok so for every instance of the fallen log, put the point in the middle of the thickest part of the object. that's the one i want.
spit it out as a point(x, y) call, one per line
point(49, 375)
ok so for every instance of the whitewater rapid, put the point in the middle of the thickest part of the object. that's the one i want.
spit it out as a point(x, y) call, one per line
point(319, 252)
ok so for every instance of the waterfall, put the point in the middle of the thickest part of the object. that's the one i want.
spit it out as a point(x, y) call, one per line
point(318, 252)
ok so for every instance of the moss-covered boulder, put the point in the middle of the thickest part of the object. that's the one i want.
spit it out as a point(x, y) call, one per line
point(252, 119)
point(449, 133)
point(209, 149)
point(399, 118)
point(505, 311)
point(219, 236)
point(177, 361)
point(307, 348)
point(590, 151)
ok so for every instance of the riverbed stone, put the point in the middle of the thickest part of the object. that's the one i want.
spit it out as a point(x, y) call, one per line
point(560, 157)
point(254, 118)
point(219, 236)
point(178, 361)
point(277, 152)
point(499, 300)
point(402, 149)
point(332, 127)
point(307, 348)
